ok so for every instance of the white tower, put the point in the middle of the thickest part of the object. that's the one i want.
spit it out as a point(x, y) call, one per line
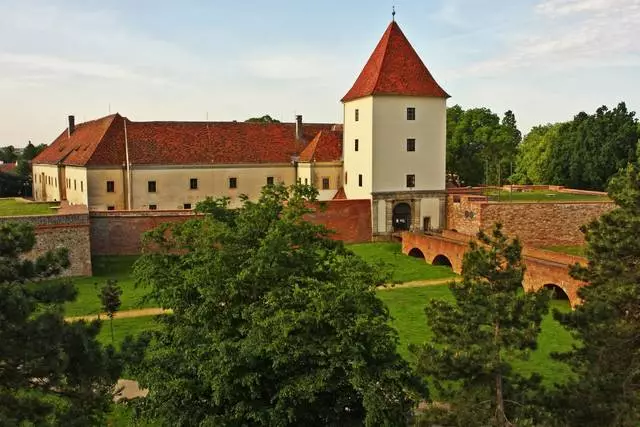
point(394, 144)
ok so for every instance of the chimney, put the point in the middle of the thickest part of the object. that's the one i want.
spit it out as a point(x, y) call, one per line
point(298, 127)
point(72, 125)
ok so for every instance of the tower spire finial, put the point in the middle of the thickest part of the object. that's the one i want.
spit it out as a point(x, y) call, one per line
point(393, 13)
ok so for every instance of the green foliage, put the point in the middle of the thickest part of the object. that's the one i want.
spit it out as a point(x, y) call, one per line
point(52, 372)
point(491, 322)
point(607, 392)
point(264, 119)
point(12, 185)
point(533, 160)
point(31, 151)
point(273, 324)
point(110, 300)
point(480, 148)
point(8, 154)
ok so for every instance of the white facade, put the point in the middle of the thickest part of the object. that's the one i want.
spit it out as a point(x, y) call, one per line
point(358, 163)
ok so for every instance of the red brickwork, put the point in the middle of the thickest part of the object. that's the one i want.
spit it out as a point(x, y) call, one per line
point(119, 233)
point(542, 267)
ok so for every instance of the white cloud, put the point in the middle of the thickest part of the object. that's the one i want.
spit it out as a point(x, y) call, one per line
point(572, 34)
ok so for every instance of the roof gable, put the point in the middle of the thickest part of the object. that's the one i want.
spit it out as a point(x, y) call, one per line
point(325, 147)
point(394, 68)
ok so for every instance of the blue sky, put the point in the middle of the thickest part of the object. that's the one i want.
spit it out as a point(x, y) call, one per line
point(183, 60)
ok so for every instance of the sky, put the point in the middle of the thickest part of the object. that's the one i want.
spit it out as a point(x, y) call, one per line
point(546, 60)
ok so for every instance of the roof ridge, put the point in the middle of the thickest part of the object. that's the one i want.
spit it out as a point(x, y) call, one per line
point(385, 51)
point(101, 138)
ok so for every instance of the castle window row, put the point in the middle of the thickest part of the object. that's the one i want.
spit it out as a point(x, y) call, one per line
point(411, 114)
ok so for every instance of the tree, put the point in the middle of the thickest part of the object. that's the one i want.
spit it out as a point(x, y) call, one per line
point(264, 119)
point(533, 155)
point(12, 185)
point(273, 323)
point(8, 154)
point(110, 300)
point(52, 372)
point(606, 391)
point(491, 323)
point(29, 152)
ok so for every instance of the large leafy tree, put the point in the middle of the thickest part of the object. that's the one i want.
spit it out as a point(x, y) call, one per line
point(480, 147)
point(273, 323)
point(533, 160)
point(264, 119)
point(606, 391)
point(475, 338)
point(51, 372)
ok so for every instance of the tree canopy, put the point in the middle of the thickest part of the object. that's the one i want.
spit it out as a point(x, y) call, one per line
point(273, 323)
point(264, 119)
point(52, 372)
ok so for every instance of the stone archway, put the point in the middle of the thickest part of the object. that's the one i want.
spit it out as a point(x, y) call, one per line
point(558, 292)
point(442, 260)
point(416, 253)
point(401, 217)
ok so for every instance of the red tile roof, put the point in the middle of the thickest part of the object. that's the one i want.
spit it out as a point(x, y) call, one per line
point(394, 68)
point(101, 143)
point(8, 167)
point(325, 147)
point(340, 195)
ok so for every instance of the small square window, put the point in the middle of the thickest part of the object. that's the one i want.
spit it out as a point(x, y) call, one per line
point(411, 181)
point(360, 180)
point(411, 144)
point(111, 208)
point(187, 206)
point(356, 144)
point(411, 113)
point(193, 183)
point(151, 187)
point(233, 182)
point(269, 180)
point(357, 115)
point(325, 183)
point(153, 207)
point(111, 187)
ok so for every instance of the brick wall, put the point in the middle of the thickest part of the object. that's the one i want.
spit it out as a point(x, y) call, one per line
point(56, 231)
point(119, 232)
point(542, 224)
point(463, 213)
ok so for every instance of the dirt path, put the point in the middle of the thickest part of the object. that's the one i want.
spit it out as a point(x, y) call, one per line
point(122, 314)
point(415, 284)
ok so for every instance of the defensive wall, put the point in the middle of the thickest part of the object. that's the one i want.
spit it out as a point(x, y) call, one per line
point(544, 269)
point(535, 223)
point(68, 229)
point(119, 232)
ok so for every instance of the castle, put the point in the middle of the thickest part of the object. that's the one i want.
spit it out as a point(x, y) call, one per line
point(390, 150)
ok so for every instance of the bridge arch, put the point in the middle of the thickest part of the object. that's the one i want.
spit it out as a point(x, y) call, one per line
point(442, 260)
point(558, 292)
point(416, 253)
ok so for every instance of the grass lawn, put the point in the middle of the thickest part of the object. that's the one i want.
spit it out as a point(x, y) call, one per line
point(11, 207)
point(403, 267)
point(578, 250)
point(542, 196)
point(107, 267)
point(407, 309)
point(123, 327)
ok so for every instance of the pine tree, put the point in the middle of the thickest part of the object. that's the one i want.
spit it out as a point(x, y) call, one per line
point(607, 323)
point(491, 322)
point(110, 300)
point(51, 372)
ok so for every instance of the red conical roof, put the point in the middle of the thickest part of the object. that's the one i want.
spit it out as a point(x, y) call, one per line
point(394, 68)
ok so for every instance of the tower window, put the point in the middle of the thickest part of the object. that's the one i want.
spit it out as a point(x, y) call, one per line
point(269, 180)
point(151, 187)
point(411, 181)
point(81, 185)
point(325, 183)
point(360, 180)
point(356, 144)
point(411, 113)
point(346, 175)
point(111, 208)
point(411, 144)
point(187, 206)
point(153, 207)
point(193, 183)
point(233, 182)
point(111, 187)
point(357, 115)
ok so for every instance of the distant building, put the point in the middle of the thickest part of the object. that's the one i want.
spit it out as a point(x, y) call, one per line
point(390, 150)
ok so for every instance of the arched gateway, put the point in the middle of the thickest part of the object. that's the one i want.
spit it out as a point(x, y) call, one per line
point(401, 217)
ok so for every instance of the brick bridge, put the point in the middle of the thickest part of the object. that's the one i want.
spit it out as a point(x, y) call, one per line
point(545, 269)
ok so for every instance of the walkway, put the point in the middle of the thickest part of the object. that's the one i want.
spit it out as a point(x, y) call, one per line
point(122, 314)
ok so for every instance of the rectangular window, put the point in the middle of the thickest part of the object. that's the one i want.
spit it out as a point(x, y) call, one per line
point(233, 182)
point(411, 144)
point(325, 183)
point(151, 187)
point(346, 181)
point(269, 180)
point(356, 144)
point(306, 181)
point(153, 207)
point(111, 208)
point(357, 115)
point(56, 182)
point(187, 206)
point(81, 185)
point(360, 180)
point(111, 187)
point(74, 185)
point(411, 113)
point(193, 183)
point(411, 181)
